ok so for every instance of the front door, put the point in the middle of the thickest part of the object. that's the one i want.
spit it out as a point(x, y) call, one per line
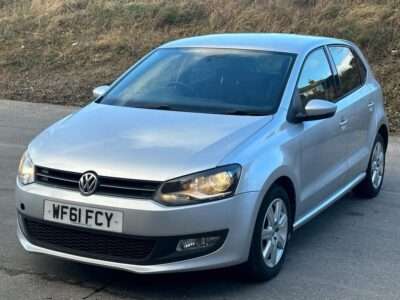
point(323, 157)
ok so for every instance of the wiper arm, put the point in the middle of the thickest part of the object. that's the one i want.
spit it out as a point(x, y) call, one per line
point(243, 113)
point(161, 106)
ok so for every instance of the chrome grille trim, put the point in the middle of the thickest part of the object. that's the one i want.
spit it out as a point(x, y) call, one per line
point(120, 187)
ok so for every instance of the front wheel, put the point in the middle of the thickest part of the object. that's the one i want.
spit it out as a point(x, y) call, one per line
point(270, 237)
point(372, 183)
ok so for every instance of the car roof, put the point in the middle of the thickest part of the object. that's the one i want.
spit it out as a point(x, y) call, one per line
point(279, 42)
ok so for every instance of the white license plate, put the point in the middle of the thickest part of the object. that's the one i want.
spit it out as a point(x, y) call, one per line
point(82, 216)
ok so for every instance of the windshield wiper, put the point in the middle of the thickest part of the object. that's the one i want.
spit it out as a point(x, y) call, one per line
point(161, 106)
point(237, 112)
point(243, 113)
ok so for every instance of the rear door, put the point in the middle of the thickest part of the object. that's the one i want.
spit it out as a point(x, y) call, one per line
point(324, 151)
point(356, 99)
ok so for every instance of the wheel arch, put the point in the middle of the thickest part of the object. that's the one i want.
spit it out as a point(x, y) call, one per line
point(384, 132)
point(283, 181)
point(286, 183)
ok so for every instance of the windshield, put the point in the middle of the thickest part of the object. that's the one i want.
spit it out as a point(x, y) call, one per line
point(222, 81)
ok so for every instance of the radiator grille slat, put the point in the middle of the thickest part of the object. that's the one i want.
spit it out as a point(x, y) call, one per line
point(120, 187)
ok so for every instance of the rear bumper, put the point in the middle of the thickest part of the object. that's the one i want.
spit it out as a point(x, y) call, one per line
point(150, 219)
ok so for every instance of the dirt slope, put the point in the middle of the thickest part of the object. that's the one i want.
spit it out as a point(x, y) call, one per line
point(56, 51)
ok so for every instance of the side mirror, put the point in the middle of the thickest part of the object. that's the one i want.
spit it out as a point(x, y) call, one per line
point(100, 91)
point(316, 110)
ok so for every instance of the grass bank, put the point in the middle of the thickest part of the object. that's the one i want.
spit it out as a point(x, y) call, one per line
point(57, 50)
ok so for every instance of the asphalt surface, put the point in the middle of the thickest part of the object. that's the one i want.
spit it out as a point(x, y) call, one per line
point(351, 251)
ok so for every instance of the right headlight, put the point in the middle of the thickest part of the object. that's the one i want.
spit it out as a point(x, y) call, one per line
point(213, 184)
point(26, 169)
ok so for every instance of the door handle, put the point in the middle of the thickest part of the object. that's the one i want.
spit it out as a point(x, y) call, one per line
point(371, 105)
point(343, 123)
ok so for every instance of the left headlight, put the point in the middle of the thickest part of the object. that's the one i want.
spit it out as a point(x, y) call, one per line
point(213, 184)
point(26, 169)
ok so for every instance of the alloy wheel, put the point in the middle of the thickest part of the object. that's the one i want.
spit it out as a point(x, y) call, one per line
point(274, 232)
point(377, 165)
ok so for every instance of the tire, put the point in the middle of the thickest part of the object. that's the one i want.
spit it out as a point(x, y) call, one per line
point(371, 184)
point(261, 265)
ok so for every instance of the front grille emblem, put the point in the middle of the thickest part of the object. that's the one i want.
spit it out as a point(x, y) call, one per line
point(88, 183)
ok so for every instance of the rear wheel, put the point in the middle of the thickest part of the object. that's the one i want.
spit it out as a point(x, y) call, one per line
point(372, 183)
point(270, 237)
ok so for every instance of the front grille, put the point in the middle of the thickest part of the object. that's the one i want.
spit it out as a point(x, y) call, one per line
point(88, 243)
point(107, 185)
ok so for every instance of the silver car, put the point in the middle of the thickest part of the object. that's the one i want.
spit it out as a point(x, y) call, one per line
point(208, 152)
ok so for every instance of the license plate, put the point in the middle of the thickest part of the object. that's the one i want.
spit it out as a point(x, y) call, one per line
point(82, 216)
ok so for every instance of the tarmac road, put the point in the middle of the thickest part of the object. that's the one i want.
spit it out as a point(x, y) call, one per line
point(351, 251)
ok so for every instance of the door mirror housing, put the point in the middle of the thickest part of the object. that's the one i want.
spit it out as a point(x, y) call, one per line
point(317, 109)
point(100, 91)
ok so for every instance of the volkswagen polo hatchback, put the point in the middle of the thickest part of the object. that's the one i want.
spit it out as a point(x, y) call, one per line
point(208, 152)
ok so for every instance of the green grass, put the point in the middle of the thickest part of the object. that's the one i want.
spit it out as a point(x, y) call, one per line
point(57, 50)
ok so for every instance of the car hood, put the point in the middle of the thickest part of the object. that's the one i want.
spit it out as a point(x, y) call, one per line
point(141, 143)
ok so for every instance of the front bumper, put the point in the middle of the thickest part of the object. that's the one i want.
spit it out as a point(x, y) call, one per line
point(151, 219)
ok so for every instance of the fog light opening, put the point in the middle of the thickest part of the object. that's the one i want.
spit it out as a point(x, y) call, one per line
point(197, 243)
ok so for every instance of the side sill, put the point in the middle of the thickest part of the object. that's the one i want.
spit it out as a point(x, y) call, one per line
point(316, 211)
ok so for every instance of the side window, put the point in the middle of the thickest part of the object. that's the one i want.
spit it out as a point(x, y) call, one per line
point(348, 68)
point(316, 79)
point(361, 68)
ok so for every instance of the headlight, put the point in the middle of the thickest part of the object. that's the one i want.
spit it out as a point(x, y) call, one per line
point(200, 187)
point(26, 169)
